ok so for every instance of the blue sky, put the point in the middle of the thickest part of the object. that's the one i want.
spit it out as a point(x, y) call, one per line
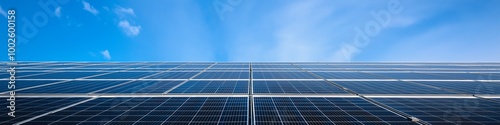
point(256, 30)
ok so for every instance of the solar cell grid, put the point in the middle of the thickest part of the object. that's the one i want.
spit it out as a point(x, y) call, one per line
point(389, 87)
point(410, 76)
point(297, 87)
point(31, 107)
point(73, 87)
point(347, 75)
point(63, 75)
point(223, 75)
point(447, 110)
point(124, 75)
point(260, 93)
point(212, 87)
point(20, 84)
point(299, 110)
point(175, 110)
point(283, 75)
point(143, 87)
point(172, 75)
point(466, 87)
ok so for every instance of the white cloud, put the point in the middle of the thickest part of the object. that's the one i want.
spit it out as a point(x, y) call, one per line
point(57, 12)
point(128, 29)
point(3, 12)
point(89, 8)
point(122, 12)
point(106, 54)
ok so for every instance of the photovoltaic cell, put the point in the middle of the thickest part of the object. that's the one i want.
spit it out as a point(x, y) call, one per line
point(347, 75)
point(19, 84)
point(447, 110)
point(389, 87)
point(260, 66)
point(469, 76)
point(124, 75)
point(161, 110)
point(283, 75)
point(73, 87)
point(63, 75)
point(30, 107)
point(231, 66)
point(296, 87)
point(173, 75)
point(403, 75)
point(467, 87)
point(212, 87)
point(223, 75)
point(321, 111)
point(143, 87)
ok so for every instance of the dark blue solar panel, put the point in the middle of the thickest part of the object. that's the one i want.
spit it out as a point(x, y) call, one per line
point(260, 66)
point(73, 87)
point(316, 66)
point(194, 66)
point(143, 87)
point(447, 110)
point(405, 75)
point(283, 75)
point(30, 107)
point(64, 75)
point(231, 66)
point(469, 76)
point(347, 75)
point(223, 75)
point(24, 84)
point(212, 87)
point(467, 87)
point(310, 87)
point(389, 87)
point(173, 75)
point(319, 110)
point(180, 110)
point(124, 75)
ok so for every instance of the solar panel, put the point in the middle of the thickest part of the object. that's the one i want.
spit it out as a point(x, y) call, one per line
point(73, 87)
point(466, 87)
point(320, 110)
point(254, 93)
point(347, 75)
point(124, 75)
point(283, 75)
point(161, 110)
point(389, 87)
point(223, 75)
point(63, 75)
point(404, 75)
point(447, 110)
point(297, 87)
point(143, 87)
point(31, 107)
point(212, 87)
point(172, 75)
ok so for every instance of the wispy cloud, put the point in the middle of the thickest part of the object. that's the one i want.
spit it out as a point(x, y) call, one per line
point(57, 12)
point(128, 29)
point(122, 12)
point(3, 12)
point(126, 17)
point(89, 8)
point(106, 54)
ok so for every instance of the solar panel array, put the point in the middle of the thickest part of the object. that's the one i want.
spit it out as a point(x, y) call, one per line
point(260, 93)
